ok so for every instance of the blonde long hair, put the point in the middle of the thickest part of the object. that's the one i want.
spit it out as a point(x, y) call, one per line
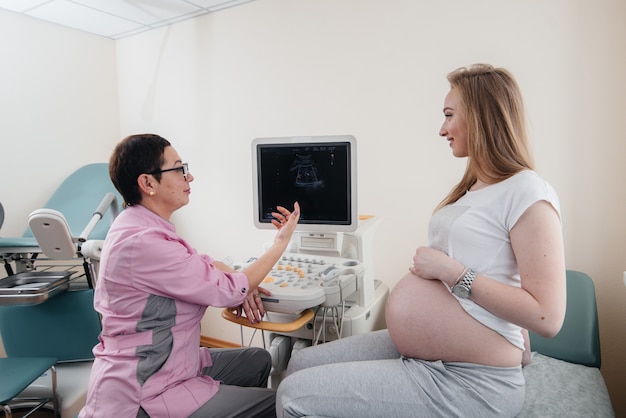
point(492, 104)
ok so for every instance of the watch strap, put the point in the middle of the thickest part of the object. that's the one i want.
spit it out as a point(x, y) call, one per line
point(463, 288)
point(468, 278)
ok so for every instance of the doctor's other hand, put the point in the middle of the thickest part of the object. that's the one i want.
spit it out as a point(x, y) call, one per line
point(252, 306)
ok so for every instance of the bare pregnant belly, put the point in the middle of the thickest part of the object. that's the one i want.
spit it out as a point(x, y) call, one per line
point(425, 321)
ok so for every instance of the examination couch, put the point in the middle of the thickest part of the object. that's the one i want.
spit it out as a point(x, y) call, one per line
point(563, 378)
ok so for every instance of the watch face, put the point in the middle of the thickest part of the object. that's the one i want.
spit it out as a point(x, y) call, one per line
point(461, 291)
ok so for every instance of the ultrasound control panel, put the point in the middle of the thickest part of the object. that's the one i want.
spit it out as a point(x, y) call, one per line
point(301, 281)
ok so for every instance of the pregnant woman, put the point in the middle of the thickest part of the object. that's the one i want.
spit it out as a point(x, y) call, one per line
point(457, 322)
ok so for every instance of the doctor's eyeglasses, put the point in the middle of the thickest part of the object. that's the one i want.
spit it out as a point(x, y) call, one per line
point(184, 168)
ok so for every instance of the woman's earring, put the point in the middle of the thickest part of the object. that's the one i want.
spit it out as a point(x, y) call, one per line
point(151, 193)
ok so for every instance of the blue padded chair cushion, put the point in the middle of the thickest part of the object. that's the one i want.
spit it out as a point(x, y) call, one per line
point(79, 196)
point(16, 373)
point(65, 326)
point(579, 339)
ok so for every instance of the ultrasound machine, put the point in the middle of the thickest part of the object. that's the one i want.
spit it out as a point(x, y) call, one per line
point(323, 288)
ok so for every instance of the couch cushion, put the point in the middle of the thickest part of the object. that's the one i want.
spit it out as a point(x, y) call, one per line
point(556, 388)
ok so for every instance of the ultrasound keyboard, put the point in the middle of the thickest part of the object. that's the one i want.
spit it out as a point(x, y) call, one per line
point(302, 281)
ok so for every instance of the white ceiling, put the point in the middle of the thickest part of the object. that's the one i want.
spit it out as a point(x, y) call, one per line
point(116, 19)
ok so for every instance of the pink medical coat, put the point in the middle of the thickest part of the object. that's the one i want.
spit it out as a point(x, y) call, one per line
point(152, 292)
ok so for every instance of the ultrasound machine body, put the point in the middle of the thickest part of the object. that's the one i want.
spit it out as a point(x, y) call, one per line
point(328, 267)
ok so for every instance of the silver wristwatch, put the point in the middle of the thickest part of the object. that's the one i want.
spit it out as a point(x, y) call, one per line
point(463, 288)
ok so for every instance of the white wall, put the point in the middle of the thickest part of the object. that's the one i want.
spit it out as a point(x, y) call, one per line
point(368, 68)
point(58, 110)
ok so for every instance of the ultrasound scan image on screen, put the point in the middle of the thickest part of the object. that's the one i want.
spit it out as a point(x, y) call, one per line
point(316, 172)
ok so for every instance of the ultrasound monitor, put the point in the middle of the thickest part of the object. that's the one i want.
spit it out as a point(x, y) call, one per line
point(319, 172)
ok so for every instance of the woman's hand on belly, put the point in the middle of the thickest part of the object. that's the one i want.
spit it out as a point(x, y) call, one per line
point(426, 321)
point(432, 264)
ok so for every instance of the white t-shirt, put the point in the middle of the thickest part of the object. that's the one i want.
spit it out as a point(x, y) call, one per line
point(475, 229)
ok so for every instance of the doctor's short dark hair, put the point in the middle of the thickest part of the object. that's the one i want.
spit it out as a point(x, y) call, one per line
point(133, 156)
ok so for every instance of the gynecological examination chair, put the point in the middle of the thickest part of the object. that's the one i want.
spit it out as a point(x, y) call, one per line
point(47, 317)
point(70, 225)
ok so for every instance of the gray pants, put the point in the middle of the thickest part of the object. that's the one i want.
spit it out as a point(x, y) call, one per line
point(365, 376)
point(243, 392)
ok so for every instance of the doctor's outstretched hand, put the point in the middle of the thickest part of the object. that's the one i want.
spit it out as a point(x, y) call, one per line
point(285, 221)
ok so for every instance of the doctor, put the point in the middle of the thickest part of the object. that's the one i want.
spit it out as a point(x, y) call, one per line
point(152, 293)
